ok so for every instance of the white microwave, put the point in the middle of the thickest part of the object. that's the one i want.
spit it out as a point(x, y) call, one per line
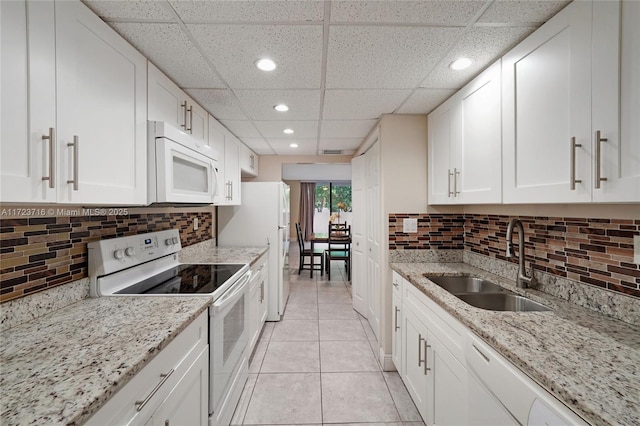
point(180, 169)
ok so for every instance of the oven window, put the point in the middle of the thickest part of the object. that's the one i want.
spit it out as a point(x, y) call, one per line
point(233, 328)
point(190, 176)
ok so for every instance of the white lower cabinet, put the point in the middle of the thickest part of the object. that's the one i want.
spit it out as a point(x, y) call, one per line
point(172, 389)
point(396, 332)
point(454, 378)
point(258, 299)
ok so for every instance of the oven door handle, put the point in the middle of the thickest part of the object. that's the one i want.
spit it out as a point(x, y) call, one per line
point(239, 288)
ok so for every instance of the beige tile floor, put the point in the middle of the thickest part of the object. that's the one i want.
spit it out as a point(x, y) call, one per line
point(318, 365)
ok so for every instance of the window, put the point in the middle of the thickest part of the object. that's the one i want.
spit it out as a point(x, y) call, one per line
point(332, 202)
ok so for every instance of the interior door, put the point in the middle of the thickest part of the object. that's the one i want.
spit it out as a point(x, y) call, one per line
point(373, 235)
point(358, 277)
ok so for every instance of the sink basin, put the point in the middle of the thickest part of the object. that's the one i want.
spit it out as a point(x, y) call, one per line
point(501, 302)
point(458, 285)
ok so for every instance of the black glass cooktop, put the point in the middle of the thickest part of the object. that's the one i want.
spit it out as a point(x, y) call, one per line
point(185, 279)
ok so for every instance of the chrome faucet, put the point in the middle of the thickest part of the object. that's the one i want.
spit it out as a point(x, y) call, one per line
point(522, 281)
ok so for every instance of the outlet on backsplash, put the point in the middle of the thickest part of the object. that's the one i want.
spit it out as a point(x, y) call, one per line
point(409, 225)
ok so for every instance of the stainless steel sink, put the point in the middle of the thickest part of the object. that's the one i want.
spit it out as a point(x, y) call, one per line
point(457, 285)
point(501, 302)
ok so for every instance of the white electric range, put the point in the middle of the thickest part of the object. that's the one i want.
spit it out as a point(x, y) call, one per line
point(147, 265)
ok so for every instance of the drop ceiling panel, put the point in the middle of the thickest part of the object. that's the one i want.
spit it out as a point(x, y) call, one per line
point(423, 101)
point(274, 129)
point(303, 104)
point(420, 12)
point(258, 145)
point(483, 45)
point(511, 11)
point(346, 129)
point(361, 104)
point(305, 146)
point(384, 57)
point(242, 129)
point(168, 47)
point(233, 49)
point(221, 103)
point(143, 10)
point(246, 11)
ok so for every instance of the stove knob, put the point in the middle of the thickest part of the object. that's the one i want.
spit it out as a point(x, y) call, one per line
point(129, 251)
point(118, 254)
point(174, 240)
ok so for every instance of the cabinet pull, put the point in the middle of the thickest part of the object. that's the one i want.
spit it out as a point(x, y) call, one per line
point(486, 358)
point(231, 190)
point(184, 118)
point(262, 292)
point(396, 328)
point(599, 177)
point(51, 137)
point(395, 284)
point(456, 172)
point(144, 402)
point(425, 357)
point(420, 339)
point(251, 158)
point(190, 128)
point(74, 144)
point(449, 174)
point(572, 172)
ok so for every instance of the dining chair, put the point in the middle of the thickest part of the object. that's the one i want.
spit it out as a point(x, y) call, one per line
point(339, 248)
point(306, 253)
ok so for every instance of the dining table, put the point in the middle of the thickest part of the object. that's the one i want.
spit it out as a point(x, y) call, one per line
point(323, 237)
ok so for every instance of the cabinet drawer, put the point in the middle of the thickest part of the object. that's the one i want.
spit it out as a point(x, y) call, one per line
point(445, 327)
point(154, 382)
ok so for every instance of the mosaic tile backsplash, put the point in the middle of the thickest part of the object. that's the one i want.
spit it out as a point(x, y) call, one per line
point(590, 251)
point(42, 252)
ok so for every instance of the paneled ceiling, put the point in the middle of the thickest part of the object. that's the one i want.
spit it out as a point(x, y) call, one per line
point(341, 64)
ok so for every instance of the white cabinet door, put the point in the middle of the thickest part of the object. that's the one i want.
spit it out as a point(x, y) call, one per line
point(232, 170)
point(616, 101)
point(414, 368)
point(442, 126)
point(28, 102)
point(396, 324)
point(188, 401)
point(483, 407)
point(101, 110)
point(546, 104)
point(198, 117)
point(447, 386)
point(216, 136)
point(248, 161)
point(263, 303)
point(477, 154)
point(166, 100)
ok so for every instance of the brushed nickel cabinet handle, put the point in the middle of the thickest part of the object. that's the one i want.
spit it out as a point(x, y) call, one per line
point(75, 144)
point(190, 128)
point(456, 172)
point(425, 357)
point(262, 292)
point(144, 402)
point(420, 360)
point(572, 172)
point(396, 327)
point(599, 177)
point(184, 122)
point(51, 137)
point(449, 174)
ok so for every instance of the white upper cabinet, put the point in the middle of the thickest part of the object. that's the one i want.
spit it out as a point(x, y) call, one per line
point(248, 161)
point(223, 141)
point(562, 85)
point(465, 144)
point(169, 103)
point(80, 79)
point(616, 102)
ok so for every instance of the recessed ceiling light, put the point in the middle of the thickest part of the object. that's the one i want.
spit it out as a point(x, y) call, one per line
point(294, 145)
point(288, 131)
point(460, 64)
point(266, 64)
point(281, 108)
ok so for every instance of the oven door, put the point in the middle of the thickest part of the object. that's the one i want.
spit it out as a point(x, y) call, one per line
point(184, 175)
point(229, 339)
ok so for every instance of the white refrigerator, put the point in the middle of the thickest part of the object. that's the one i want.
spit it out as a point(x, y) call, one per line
point(262, 219)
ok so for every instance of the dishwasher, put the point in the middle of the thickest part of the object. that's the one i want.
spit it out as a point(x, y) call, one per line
point(501, 394)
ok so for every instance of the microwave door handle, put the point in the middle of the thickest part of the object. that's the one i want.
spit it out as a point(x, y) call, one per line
point(214, 180)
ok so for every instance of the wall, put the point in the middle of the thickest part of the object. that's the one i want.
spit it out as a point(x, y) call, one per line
point(44, 251)
point(294, 200)
point(270, 167)
point(590, 250)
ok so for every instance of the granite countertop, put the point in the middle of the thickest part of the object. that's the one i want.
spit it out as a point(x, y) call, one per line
point(587, 360)
point(61, 368)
